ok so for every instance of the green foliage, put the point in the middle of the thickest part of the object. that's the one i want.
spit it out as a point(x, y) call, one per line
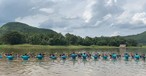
point(88, 41)
point(58, 39)
point(71, 39)
point(140, 38)
point(37, 36)
point(13, 38)
point(24, 28)
point(131, 42)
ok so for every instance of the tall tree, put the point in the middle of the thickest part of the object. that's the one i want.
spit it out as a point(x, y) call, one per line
point(13, 38)
point(71, 39)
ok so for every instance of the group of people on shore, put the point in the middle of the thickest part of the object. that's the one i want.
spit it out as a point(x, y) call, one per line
point(75, 56)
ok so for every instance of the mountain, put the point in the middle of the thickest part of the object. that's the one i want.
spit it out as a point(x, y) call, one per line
point(140, 38)
point(29, 30)
point(23, 28)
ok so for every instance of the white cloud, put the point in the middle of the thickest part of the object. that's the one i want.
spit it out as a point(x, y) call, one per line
point(116, 33)
point(34, 20)
point(98, 17)
point(111, 2)
point(47, 10)
point(106, 17)
point(87, 14)
point(134, 5)
point(123, 18)
point(139, 18)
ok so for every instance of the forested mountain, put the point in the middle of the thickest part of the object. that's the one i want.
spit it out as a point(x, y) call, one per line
point(31, 35)
point(23, 28)
point(20, 33)
point(140, 38)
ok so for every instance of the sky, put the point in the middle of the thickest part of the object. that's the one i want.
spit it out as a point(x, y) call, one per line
point(80, 17)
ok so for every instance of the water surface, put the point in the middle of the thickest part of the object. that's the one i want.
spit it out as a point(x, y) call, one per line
point(75, 68)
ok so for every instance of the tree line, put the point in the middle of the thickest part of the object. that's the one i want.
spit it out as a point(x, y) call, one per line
point(59, 39)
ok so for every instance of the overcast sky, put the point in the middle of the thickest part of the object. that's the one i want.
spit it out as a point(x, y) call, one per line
point(79, 17)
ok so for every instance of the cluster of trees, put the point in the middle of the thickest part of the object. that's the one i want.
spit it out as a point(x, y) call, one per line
point(59, 39)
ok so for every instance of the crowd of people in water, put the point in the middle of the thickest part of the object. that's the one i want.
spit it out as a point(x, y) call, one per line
point(75, 56)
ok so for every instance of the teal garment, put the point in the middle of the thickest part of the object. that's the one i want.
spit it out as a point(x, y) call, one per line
point(25, 57)
point(73, 56)
point(10, 57)
point(126, 57)
point(53, 57)
point(63, 57)
point(105, 57)
point(95, 57)
point(114, 56)
point(84, 56)
point(1, 57)
point(40, 57)
point(137, 57)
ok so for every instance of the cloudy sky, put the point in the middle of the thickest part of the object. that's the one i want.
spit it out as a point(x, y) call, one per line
point(79, 17)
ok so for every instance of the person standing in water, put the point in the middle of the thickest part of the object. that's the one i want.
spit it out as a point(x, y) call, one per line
point(73, 56)
point(25, 57)
point(137, 57)
point(126, 57)
point(9, 57)
point(53, 57)
point(79, 55)
point(40, 56)
point(114, 57)
point(63, 57)
point(96, 56)
point(105, 57)
point(84, 56)
point(143, 56)
point(88, 55)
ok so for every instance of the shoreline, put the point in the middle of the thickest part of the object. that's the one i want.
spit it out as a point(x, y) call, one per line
point(70, 47)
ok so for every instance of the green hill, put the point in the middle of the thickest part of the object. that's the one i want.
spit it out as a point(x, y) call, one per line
point(33, 35)
point(23, 28)
point(140, 38)
point(12, 31)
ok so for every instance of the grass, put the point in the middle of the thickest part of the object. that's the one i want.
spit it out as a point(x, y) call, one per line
point(28, 47)
point(144, 46)
point(47, 48)
point(25, 46)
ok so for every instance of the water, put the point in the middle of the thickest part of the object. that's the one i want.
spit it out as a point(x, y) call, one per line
point(75, 68)
point(69, 68)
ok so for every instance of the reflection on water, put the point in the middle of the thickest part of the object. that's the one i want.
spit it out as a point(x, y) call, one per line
point(73, 68)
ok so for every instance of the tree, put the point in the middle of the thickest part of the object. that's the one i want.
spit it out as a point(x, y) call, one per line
point(58, 39)
point(13, 38)
point(131, 42)
point(71, 39)
point(88, 41)
point(35, 39)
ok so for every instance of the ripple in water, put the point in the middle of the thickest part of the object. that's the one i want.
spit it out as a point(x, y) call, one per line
point(73, 68)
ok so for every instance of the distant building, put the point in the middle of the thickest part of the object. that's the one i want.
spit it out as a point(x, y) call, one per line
point(122, 46)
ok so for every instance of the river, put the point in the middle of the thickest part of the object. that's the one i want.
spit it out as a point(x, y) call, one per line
point(75, 68)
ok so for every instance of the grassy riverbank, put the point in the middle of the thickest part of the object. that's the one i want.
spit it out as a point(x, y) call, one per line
point(27, 46)
point(48, 48)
